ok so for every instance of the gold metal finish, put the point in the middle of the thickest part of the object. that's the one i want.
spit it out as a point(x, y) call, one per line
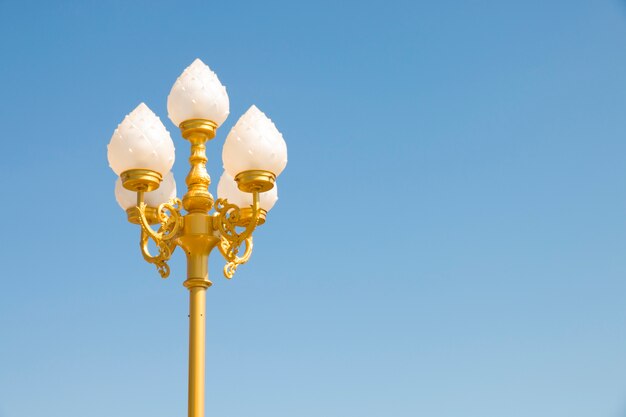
point(197, 337)
point(198, 126)
point(141, 180)
point(198, 197)
point(150, 213)
point(255, 180)
point(229, 229)
point(246, 215)
point(171, 221)
point(227, 219)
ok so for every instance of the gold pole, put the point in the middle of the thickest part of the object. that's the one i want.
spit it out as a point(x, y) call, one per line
point(197, 338)
point(197, 282)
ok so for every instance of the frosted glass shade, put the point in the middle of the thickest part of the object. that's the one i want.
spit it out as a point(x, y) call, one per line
point(166, 191)
point(198, 94)
point(254, 143)
point(227, 188)
point(141, 142)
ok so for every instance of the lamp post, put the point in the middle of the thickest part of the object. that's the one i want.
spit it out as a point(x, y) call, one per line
point(141, 152)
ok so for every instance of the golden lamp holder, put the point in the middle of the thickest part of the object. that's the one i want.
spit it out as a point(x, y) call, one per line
point(197, 232)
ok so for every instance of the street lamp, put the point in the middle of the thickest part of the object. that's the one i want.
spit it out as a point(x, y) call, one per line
point(141, 152)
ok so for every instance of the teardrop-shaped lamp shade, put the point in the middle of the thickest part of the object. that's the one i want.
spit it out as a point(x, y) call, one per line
point(198, 94)
point(166, 191)
point(254, 143)
point(141, 142)
point(227, 188)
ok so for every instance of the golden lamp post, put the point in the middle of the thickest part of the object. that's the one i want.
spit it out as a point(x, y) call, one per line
point(141, 152)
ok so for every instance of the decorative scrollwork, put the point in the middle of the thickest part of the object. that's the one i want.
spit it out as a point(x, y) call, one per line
point(228, 219)
point(170, 221)
point(231, 267)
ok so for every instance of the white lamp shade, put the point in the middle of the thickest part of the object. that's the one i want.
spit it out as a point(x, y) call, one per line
point(141, 142)
point(198, 94)
point(166, 191)
point(254, 143)
point(227, 189)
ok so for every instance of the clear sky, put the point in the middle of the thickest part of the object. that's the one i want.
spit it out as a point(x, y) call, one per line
point(450, 238)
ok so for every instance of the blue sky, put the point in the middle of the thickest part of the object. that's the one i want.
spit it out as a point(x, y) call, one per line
point(450, 238)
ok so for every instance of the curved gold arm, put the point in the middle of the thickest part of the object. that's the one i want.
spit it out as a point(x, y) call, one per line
point(171, 221)
point(228, 218)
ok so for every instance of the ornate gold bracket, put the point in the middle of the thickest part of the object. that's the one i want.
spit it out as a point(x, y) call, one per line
point(171, 221)
point(227, 219)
